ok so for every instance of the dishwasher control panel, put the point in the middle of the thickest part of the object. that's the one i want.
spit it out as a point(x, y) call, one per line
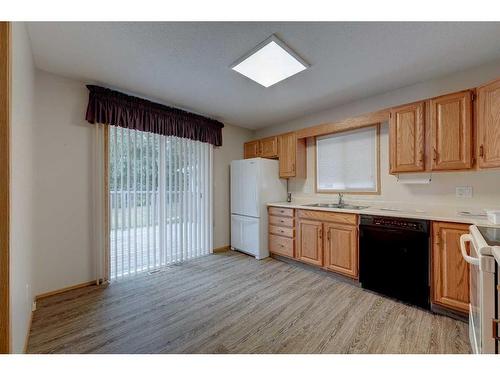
point(395, 222)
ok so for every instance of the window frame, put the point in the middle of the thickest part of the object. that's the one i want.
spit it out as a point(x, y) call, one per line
point(377, 165)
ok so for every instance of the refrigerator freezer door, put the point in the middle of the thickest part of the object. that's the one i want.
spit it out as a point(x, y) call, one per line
point(245, 234)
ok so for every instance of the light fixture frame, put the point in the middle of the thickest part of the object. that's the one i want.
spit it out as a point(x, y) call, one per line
point(279, 42)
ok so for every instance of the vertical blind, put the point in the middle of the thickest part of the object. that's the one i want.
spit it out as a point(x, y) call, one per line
point(160, 200)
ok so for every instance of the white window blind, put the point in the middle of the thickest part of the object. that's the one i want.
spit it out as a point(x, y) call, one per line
point(160, 200)
point(348, 161)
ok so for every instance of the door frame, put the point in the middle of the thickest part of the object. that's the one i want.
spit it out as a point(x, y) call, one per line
point(5, 109)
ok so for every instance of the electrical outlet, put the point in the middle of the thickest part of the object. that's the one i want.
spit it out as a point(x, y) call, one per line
point(463, 192)
point(33, 306)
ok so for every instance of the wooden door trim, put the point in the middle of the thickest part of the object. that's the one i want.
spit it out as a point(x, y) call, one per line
point(5, 109)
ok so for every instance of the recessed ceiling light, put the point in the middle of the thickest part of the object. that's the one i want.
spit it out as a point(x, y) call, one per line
point(270, 62)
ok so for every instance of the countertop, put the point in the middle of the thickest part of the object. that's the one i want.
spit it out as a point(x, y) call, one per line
point(392, 209)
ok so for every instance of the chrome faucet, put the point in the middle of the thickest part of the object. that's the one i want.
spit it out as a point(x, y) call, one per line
point(341, 199)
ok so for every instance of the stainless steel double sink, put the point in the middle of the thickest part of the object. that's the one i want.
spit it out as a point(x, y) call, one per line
point(336, 205)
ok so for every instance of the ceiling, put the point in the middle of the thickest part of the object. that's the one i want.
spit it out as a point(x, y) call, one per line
point(187, 64)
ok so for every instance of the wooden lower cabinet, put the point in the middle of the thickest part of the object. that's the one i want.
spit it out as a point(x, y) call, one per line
point(281, 245)
point(328, 240)
point(281, 231)
point(341, 249)
point(450, 272)
point(310, 236)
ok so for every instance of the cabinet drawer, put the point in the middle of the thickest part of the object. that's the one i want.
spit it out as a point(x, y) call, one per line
point(281, 231)
point(334, 217)
point(281, 221)
point(280, 211)
point(281, 245)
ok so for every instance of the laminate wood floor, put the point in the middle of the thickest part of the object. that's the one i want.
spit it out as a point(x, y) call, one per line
point(232, 303)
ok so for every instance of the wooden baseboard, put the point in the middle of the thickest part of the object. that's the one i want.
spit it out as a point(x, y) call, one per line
point(67, 289)
point(26, 340)
point(222, 249)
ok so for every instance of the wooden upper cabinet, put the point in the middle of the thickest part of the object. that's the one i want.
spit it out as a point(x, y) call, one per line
point(341, 249)
point(488, 125)
point(251, 149)
point(450, 272)
point(310, 245)
point(407, 138)
point(287, 153)
point(292, 156)
point(264, 148)
point(269, 147)
point(451, 131)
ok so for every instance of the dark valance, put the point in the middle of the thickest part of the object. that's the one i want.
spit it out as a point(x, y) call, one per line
point(111, 107)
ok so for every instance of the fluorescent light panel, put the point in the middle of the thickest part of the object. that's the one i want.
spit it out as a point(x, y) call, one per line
point(271, 62)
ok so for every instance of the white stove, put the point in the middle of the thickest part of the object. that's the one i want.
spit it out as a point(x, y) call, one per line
point(484, 294)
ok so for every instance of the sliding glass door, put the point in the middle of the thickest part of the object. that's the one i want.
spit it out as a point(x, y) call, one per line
point(160, 201)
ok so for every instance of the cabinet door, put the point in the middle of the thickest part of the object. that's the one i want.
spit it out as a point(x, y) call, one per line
point(310, 246)
point(251, 150)
point(287, 154)
point(488, 125)
point(269, 147)
point(450, 272)
point(341, 249)
point(407, 138)
point(451, 131)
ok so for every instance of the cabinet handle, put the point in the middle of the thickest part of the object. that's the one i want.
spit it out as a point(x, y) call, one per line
point(328, 235)
point(495, 329)
point(481, 151)
point(421, 157)
point(435, 155)
point(320, 234)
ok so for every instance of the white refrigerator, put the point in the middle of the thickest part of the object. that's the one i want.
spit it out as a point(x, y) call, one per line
point(254, 183)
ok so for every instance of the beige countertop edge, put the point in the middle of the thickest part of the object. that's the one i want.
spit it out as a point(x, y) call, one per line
point(433, 216)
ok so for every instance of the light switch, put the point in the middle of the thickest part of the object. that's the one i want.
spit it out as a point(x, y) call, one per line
point(463, 191)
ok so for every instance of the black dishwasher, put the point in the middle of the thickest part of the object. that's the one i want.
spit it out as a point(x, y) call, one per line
point(394, 258)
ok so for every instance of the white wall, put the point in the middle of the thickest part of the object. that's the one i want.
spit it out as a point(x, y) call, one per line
point(21, 236)
point(62, 150)
point(62, 184)
point(233, 138)
point(486, 191)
